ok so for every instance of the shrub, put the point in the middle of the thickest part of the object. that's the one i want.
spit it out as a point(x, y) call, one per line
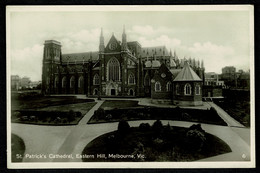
point(157, 126)
point(71, 116)
point(100, 113)
point(195, 140)
point(131, 114)
point(196, 127)
point(123, 127)
point(144, 126)
point(185, 116)
point(213, 111)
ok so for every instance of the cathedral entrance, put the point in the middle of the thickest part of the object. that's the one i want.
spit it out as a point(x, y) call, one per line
point(131, 92)
point(111, 88)
point(113, 92)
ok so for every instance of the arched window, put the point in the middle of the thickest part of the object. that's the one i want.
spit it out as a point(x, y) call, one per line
point(81, 82)
point(187, 89)
point(131, 79)
point(72, 82)
point(47, 81)
point(197, 89)
point(96, 79)
point(147, 80)
point(56, 82)
point(64, 82)
point(113, 70)
point(169, 86)
point(177, 89)
point(157, 86)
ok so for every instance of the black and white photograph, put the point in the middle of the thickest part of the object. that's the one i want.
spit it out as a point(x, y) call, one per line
point(130, 86)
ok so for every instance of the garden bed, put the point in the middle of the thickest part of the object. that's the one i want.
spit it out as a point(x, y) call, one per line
point(55, 115)
point(239, 110)
point(18, 148)
point(155, 113)
point(156, 143)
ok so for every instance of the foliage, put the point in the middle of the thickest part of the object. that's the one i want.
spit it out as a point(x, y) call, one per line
point(123, 127)
point(195, 140)
point(157, 126)
point(144, 126)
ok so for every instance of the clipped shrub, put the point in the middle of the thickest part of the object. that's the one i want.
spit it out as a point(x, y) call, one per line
point(100, 113)
point(123, 127)
point(109, 117)
point(144, 126)
point(131, 114)
point(195, 140)
point(196, 127)
point(71, 116)
point(157, 126)
point(185, 116)
point(213, 111)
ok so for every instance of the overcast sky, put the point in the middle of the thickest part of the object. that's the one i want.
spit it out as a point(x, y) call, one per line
point(220, 38)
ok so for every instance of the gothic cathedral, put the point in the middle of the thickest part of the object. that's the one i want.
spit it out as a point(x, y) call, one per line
point(118, 69)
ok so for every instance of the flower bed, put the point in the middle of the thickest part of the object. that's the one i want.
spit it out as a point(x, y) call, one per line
point(154, 143)
point(154, 113)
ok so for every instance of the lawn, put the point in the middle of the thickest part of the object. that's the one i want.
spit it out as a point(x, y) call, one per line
point(33, 100)
point(169, 143)
point(239, 110)
point(110, 104)
point(18, 148)
point(33, 108)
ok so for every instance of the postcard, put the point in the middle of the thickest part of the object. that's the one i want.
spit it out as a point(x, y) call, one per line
point(130, 86)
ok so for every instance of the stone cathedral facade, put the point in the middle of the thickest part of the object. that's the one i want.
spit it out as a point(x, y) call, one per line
point(117, 69)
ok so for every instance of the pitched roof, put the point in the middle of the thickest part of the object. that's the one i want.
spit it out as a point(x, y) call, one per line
point(72, 57)
point(187, 74)
point(157, 51)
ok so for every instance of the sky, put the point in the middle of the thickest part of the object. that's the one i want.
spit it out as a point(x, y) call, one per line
point(218, 37)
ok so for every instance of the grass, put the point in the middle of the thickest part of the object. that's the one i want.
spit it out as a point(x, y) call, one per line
point(239, 110)
point(18, 148)
point(169, 145)
point(33, 101)
point(110, 104)
point(48, 110)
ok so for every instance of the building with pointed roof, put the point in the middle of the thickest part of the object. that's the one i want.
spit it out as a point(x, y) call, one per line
point(118, 69)
point(187, 87)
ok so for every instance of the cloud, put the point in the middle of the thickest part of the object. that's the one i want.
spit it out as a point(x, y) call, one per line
point(149, 31)
point(27, 62)
point(159, 41)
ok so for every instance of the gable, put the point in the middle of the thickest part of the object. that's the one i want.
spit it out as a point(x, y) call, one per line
point(113, 45)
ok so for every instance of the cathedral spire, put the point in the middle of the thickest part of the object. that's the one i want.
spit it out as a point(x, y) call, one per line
point(202, 64)
point(124, 42)
point(101, 42)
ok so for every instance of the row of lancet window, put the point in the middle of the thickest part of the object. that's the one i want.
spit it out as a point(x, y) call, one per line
point(131, 80)
point(158, 86)
point(72, 82)
point(187, 88)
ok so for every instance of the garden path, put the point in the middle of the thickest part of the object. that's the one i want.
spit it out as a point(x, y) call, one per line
point(73, 139)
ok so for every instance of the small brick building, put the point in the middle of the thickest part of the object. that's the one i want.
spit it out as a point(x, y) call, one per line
point(187, 87)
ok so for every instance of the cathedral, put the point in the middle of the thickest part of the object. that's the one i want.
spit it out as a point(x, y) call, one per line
point(123, 69)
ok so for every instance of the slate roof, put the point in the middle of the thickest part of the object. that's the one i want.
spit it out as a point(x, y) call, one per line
point(72, 57)
point(187, 74)
point(157, 51)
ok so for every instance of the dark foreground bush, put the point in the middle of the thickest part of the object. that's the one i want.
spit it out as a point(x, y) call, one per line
point(157, 126)
point(123, 127)
point(144, 126)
